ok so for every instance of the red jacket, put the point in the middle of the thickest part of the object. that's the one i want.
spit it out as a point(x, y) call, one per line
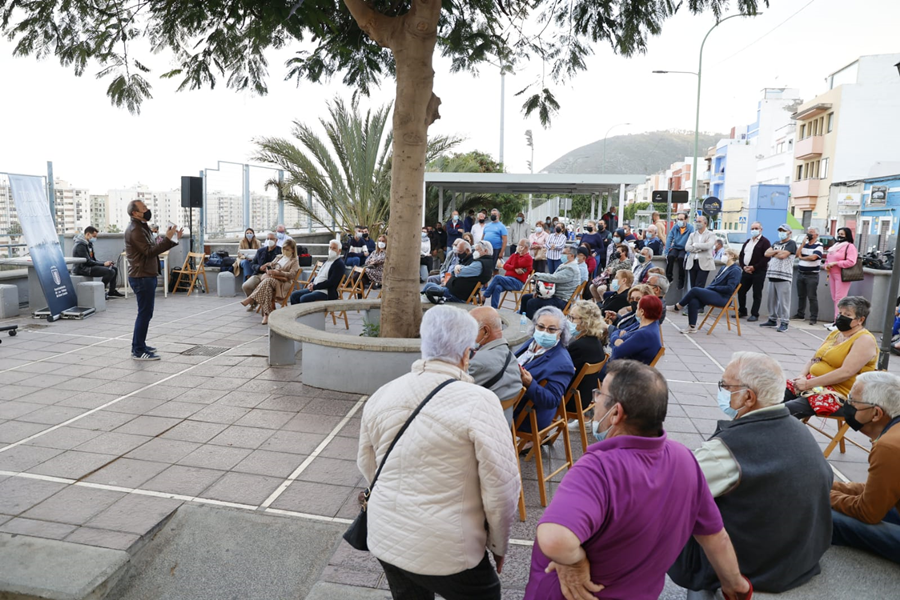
point(518, 261)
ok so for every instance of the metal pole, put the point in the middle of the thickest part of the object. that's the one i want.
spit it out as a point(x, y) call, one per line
point(201, 235)
point(621, 214)
point(885, 354)
point(280, 198)
point(502, 109)
point(309, 201)
point(440, 204)
point(51, 196)
point(246, 195)
point(593, 199)
point(668, 216)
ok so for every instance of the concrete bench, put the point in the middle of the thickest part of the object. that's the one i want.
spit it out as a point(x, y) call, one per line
point(226, 284)
point(9, 301)
point(91, 294)
point(76, 279)
point(375, 361)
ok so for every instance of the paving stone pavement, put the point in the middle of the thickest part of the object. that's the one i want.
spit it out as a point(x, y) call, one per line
point(98, 449)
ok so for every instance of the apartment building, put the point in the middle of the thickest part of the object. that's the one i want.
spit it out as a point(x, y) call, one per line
point(842, 132)
point(100, 211)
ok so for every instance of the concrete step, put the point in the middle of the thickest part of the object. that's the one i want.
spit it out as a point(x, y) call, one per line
point(39, 569)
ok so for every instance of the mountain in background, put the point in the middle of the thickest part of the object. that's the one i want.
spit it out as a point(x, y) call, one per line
point(641, 153)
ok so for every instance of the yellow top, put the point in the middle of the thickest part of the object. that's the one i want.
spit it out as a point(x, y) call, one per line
point(831, 355)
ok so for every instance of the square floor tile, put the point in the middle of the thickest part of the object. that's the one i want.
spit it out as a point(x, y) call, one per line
point(269, 419)
point(292, 404)
point(309, 423)
point(176, 410)
point(103, 538)
point(217, 413)
point(127, 472)
point(18, 494)
point(314, 498)
point(135, 514)
point(74, 505)
point(185, 481)
point(294, 442)
point(151, 426)
point(242, 488)
point(113, 443)
point(201, 396)
point(64, 438)
point(41, 529)
point(275, 464)
point(242, 437)
point(103, 420)
point(324, 406)
point(15, 431)
point(215, 457)
point(73, 464)
point(14, 410)
point(24, 457)
point(162, 450)
point(52, 415)
point(135, 405)
point(194, 431)
point(332, 471)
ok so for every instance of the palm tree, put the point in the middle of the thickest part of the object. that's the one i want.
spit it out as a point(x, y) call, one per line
point(349, 174)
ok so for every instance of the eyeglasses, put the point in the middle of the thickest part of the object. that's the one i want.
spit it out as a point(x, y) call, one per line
point(725, 386)
point(553, 330)
point(573, 318)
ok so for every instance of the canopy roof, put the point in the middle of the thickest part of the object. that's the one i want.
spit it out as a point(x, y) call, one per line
point(527, 183)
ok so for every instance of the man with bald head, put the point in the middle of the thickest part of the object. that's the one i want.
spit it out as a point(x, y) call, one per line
point(494, 366)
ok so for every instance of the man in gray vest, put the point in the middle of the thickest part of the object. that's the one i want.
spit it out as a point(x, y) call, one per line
point(770, 481)
point(494, 366)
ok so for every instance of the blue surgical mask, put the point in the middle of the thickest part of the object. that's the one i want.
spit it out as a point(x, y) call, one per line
point(782, 235)
point(614, 286)
point(455, 218)
point(724, 400)
point(573, 329)
point(595, 428)
point(564, 259)
point(617, 240)
point(545, 340)
point(754, 233)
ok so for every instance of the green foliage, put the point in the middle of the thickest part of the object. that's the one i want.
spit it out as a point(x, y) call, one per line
point(214, 40)
point(371, 330)
point(113, 228)
point(471, 162)
point(348, 172)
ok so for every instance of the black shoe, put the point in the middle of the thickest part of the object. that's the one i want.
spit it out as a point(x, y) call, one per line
point(743, 314)
point(813, 321)
point(769, 323)
point(150, 349)
point(752, 319)
point(895, 350)
point(116, 294)
point(782, 328)
point(145, 356)
point(797, 317)
point(435, 297)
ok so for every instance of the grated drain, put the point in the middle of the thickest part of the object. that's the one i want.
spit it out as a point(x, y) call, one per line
point(34, 326)
point(205, 351)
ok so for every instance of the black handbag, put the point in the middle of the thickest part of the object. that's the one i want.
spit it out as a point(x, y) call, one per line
point(358, 532)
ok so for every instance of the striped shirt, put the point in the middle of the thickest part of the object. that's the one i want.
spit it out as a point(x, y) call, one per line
point(811, 266)
point(555, 245)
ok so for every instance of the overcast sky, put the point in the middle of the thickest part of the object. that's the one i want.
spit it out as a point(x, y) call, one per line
point(49, 114)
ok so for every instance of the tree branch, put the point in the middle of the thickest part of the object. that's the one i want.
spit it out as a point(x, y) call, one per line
point(432, 113)
point(377, 26)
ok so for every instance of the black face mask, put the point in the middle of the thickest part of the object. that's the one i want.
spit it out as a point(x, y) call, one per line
point(481, 220)
point(493, 217)
point(589, 229)
point(843, 323)
point(365, 236)
point(634, 306)
point(809, 236)
point(841, 239)
point(559, 230)
point(850, 416)
point(147, 214)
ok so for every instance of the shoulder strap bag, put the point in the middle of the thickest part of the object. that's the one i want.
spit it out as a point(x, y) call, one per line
point(493, 380)
point(854, 273)
point(358, 532)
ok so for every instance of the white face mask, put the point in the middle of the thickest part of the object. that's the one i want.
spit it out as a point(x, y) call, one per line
point(270, 243)
point(381, 245)
point(332, 255)
point(476, 255)
point(249, 236)
point(538, 229)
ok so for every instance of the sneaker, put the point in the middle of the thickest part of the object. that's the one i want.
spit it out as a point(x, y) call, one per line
point(813, 321)
point(116, 294)
point(782, 328)
point(690, 330)
point(798, 317)
point(145, 356)
point(752, 319)
point(150, 349)
point(769, 323)
point(573, 425)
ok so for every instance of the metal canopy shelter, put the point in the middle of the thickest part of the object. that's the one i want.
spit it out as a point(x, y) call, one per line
point(527, 183)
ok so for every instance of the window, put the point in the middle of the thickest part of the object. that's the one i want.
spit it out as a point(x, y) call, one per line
point(799, 172)
point(884, 231)
point(803, 131)
point(807, 218)
point(830, 122)
point(824, 168)
point(816, 170)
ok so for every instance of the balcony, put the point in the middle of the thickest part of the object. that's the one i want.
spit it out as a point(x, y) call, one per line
point(717, 177)
point(810, 147)
point(805, 193)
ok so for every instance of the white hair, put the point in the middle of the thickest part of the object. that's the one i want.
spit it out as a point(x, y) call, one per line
point(463, 245)
point(648, 249)
point(564, 335)
point(762, 374)
point(661, 282)
point(881, 389)
point(485, 246)
point(268, 233)
point(336, 244)
point(446, 333)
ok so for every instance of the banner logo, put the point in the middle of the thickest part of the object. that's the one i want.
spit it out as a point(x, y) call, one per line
point(55, 273)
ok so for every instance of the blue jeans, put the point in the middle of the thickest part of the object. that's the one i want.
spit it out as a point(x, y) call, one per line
point(306, 295)
point(881, 538)
point(431, 286)
point(247, 268)
point(500, 284)
point(352, 261)
point(145, 292)
point(553, 264)
point(697, 298)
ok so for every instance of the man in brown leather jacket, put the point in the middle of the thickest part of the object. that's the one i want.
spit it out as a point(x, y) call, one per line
point(143, 253)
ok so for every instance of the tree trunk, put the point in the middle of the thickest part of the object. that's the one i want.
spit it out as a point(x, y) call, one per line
point(411, 38)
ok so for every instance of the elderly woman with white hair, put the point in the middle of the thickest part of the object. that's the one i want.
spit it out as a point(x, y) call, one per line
point(449, 485)
point(755, 463)
point(545, 359)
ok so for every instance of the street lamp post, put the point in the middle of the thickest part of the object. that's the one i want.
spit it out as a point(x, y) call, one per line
point(699, 74)
point(887, 328)
point(529, 141)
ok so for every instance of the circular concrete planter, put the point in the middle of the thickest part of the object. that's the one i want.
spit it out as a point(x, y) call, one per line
point(349, 363)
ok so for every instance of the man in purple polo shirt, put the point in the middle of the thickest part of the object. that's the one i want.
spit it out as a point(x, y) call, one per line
point(623, 513)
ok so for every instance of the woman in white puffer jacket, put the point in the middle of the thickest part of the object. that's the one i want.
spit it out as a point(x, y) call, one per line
point(449, 489)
